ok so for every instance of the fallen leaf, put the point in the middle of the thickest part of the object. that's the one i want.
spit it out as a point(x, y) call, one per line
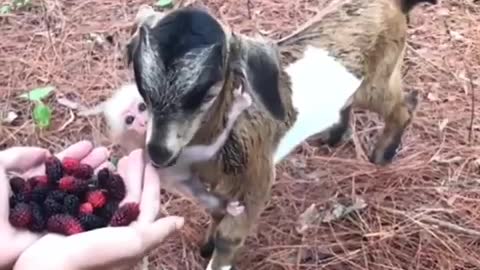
point(5, 9)
point(38, 94)
point(11, 116)
point(68, 103)
point(456, 35)
point(432, 97)
point(339, 210)
point(307, 219)
point(442, 125)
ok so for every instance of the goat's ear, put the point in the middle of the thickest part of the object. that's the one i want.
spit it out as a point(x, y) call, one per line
point(130, 48)
point(261, 70)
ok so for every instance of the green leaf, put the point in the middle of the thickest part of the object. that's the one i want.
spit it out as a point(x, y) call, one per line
point(42, 115)
point(5, 9)
point(38, 94)
point(164, 3)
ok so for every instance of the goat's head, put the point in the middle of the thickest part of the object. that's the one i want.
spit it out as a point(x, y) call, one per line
point(181, 63)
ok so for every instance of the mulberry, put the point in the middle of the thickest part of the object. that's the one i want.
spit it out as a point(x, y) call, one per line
point(125, 214)
point(53, 169)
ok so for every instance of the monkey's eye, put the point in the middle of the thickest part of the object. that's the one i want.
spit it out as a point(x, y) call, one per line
point(142, 107)
point(129, 120)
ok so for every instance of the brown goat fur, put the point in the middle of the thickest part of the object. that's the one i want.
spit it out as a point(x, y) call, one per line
point(367, 37)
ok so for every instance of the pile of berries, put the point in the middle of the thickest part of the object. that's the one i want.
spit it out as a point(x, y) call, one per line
point(69, 199)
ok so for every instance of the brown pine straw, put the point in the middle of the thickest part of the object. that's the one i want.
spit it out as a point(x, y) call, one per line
point(422, 212)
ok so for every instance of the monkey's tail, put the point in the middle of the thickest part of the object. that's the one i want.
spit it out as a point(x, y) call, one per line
point(407, 5)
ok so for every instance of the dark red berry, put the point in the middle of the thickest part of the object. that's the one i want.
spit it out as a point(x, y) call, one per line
point(53, 169)
point(52, 207)
point(91, 222)
point(38, 218)
point(84, 172)
point(17, 184)
point(36, 181)
point(64, 224)
point(86, 208)
point(97, 198)
point(72, 184)
point(71, 204)
point(23, 197)
point(70, 165)
point(12, 202)
point(116, 188)
point(125, 214)
point(21, 215)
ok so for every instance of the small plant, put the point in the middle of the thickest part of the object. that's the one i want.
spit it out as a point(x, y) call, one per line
point(164, 3)
point(14, 5)
point(42, 114)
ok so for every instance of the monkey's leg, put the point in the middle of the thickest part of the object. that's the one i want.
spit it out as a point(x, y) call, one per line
point(395, 124)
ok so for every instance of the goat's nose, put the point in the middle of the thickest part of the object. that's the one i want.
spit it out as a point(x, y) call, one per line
point(159, 155)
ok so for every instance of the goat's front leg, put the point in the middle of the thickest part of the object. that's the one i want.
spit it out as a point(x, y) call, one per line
point(231, 232)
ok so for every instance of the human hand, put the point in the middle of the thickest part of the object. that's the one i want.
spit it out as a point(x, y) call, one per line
point(28, 162)
point(110, 247)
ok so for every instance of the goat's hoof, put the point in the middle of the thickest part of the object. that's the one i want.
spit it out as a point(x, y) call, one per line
point(380, 159)
point(206, 250)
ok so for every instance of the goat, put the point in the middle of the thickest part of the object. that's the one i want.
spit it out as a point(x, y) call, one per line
point(186, 58)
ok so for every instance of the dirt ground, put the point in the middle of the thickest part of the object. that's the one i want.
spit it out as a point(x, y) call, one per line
point(421, 212)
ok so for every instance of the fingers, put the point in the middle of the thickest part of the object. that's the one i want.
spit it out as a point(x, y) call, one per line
point(4, 190)
point(78, 150)
point(132, 171)
point(96, 157)
point(154, 233)
point(20, 159)
point(150, 201)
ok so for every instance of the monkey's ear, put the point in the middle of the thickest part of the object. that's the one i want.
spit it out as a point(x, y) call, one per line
point(260, 68)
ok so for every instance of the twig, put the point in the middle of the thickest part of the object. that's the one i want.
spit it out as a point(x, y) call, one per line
point(472, 116)
point(47, 23)
point(249, 9)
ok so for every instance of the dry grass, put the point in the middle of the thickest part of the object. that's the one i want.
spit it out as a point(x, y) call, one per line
point(422, 211)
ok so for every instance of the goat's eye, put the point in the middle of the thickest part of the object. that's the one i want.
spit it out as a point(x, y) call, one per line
point(129, 119)
point(142, 107)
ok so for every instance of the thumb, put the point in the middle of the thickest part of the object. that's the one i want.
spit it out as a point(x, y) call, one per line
point(21, 158)
point(153, 234)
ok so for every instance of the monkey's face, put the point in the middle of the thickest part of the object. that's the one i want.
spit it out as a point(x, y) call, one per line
point(135, 118)
point(178, 66)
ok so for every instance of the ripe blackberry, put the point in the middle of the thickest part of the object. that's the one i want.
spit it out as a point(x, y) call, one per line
point(52, 207)
point(107, 210)
point(84, 172)
point(64, 224)
point(17, 184)
point(116, 188)
point(70, 165)
point(57, 195)
point(39, 193)
point(21, 215)
point(11, 201)
point(104, 177)
point(91, 222)
point(53, 169)
point(125, 214)
point(71, 203)
point(38, 218)
point(23, 197)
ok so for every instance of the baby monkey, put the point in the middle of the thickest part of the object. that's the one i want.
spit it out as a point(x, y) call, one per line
point(126, 116)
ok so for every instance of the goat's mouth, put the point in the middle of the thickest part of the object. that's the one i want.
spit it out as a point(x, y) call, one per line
point(170, 163)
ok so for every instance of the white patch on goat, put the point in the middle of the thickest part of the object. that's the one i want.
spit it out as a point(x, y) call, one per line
point(320, 88)
point(209, 266)
point(148, 135)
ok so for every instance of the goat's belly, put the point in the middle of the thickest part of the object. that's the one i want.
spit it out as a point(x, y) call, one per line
point(320, 88)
